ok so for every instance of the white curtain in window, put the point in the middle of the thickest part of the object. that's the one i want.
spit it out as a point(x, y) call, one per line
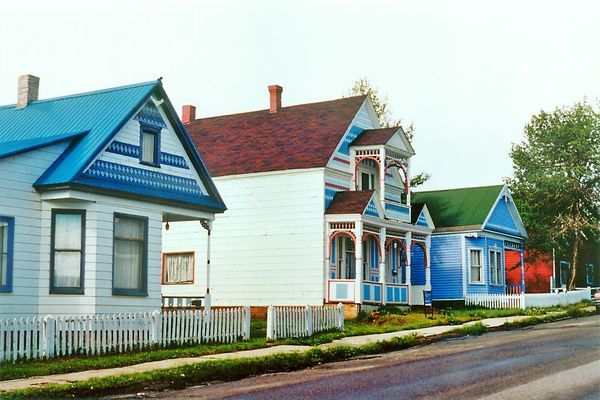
point(67, 236)
point(67, 232)
point(475, 256)
point(178, 268)
point(129, 228)
point(128, 264)
point(148, 147)
point(67, 268)
point(3, 253)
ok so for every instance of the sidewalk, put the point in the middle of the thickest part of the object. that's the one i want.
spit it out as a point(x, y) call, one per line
point(354, 341)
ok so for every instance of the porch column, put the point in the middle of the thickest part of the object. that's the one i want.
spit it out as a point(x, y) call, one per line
point(382, 269)
point(522, 271)
point(382, 178)
point(353, 168)
point(206, 224)
point(358, 288)
point(428, 260)
point(327, 262)
point(408, 242)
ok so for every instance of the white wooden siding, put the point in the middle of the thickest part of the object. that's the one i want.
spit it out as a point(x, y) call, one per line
point(266, 249)
point(19, 199)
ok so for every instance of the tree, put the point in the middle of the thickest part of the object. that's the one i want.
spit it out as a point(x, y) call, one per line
point(386, 120)
point(556, 182)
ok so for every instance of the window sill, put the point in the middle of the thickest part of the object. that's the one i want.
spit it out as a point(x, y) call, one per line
point(150, 164)
point(129, 292)
point(477, 283)
point(67, 291)
point(177, 283)
point(5, 290)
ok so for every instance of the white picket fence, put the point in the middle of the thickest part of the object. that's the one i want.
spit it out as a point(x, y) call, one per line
point(57, 336)
point(289, 322)
point(494, 300)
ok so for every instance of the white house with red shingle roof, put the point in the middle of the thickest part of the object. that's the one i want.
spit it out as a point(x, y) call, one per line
point(318, 209)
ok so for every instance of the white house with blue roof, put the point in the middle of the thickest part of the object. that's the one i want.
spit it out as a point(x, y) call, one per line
point(88, 182)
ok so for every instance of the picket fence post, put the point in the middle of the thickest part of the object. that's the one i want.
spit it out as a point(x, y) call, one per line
point(271, 323)
point(309, 321)
point(49, 333)
point(156, 327)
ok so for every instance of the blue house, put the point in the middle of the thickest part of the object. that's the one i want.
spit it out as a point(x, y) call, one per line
point(476, 231)
point(88, 183)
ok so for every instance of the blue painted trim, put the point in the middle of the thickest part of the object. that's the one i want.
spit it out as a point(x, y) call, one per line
point(133, 151)
point(10, 250)
point(352, 134)
point(60, 289)
point(155, 131)
point(143, 291)
point(149, 115)
point(22, 146)
point(107, 139)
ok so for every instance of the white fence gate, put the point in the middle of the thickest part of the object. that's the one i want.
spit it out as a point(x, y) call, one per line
point(48, 337)
point(494, 300)
point(288, 322)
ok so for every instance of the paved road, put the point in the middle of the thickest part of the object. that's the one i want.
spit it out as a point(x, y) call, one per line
point(551, 361)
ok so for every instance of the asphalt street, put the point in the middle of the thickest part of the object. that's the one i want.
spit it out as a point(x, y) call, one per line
point(560, 360)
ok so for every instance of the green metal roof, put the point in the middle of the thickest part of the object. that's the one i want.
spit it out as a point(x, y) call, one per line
point(459, 207)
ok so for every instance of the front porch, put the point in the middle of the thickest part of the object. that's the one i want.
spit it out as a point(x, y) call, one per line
point(373, 261)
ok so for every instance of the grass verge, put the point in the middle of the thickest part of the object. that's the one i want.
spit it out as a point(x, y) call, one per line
point(210, 371)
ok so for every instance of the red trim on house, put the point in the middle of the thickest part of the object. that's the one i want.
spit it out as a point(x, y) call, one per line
point(423, 247)
point(376, 237)
point(334, 186)
point(341, 160)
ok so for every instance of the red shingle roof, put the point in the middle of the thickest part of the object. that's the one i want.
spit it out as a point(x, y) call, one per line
point(349, 202)
point(374, 136)
point(302, 136)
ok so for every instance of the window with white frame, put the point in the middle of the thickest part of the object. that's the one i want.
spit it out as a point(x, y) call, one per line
point(6, 242)
point(67, 252)
point(178, 268)
point(495, 267)
point(476, 266)
point(367, 181)
point(130, 261)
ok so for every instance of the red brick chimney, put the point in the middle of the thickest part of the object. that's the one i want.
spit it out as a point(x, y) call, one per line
point(188, 114)
point(275, 97)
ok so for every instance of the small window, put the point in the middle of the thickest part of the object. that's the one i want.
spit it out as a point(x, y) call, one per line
point(565, 273)
point(367, 181)
point(67, 251)
point(589, 274)
point(130, 255)
point(6, 252)
point(178, 268)
point(495, 267)
point(150, 146)
point(476, 266)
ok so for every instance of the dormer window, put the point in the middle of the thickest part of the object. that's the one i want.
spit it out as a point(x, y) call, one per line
point(367, 181)
point(150, 146)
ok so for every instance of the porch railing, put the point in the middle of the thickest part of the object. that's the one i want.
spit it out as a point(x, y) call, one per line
point(340, 290)
point(396, 293)
point(372, 292)
point(515, 288)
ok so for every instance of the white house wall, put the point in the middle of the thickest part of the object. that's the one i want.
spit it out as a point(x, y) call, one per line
point(98, 297)
point(19, 199)
point(267, 248)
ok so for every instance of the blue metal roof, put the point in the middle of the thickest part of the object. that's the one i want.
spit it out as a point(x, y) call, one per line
point(101, 114)
point(90, 121)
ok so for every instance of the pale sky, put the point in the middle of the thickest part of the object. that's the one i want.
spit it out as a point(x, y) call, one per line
point(468, 74)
